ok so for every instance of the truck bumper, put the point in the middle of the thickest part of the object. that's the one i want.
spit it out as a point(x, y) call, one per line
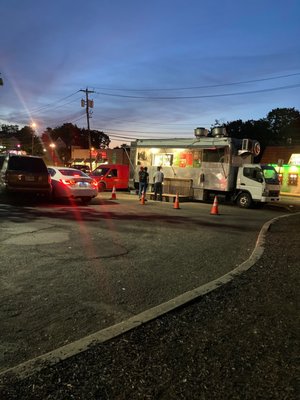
point(269, 199)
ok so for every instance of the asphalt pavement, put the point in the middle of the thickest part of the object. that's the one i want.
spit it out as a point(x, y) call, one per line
point(237, 339)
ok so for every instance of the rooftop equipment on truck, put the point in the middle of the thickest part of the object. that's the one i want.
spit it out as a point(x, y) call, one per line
point(210, 164)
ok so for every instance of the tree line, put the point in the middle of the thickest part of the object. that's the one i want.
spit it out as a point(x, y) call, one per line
point(281, 126)
point(69, 134)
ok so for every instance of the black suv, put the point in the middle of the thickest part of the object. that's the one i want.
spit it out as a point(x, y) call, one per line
point(24, 174)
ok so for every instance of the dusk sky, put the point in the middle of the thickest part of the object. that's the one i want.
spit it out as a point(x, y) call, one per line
point(158, 68)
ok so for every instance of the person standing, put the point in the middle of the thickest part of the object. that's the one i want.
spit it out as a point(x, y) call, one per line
point(140, 181)
point(158, 180)
point(144, 179)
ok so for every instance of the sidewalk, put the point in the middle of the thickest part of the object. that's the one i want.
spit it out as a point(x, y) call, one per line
point(289, 194)
point(237, 342)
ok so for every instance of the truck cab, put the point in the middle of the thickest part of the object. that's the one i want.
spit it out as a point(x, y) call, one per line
point(256, 183)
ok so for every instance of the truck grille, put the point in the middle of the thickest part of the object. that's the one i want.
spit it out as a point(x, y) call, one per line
point(273, 193)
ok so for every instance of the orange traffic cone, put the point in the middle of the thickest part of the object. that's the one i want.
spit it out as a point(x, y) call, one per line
point(214, 210)
point(176, 202)
point(113, 194)
point(143, 198)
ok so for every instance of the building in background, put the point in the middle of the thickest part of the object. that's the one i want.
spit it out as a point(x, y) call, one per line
point(286, 160)
point(99, 156)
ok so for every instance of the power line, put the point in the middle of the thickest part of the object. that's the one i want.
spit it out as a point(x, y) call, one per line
point(131, 138)
point(112, 119)
point(46, 107)
point(200, 87)
point(70, 119)
point(54, 103)
point(126, 130)
point(61, 105)
point(202, 96)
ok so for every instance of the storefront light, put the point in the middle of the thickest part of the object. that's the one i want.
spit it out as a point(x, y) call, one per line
point(293, 169)
point(295, 159)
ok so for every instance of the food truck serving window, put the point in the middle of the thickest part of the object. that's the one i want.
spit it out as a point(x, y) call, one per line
point(163, 159)
point(214, 155)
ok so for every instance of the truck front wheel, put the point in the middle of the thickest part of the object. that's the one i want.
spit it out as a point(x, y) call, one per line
point(244, 200)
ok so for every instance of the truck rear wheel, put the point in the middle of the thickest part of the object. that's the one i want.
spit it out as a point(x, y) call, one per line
point(244, 200)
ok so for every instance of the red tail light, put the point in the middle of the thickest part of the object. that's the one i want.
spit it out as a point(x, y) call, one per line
point(94, 183)
point(68, 182)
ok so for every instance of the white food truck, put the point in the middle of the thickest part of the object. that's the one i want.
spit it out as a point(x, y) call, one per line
point(211, 164)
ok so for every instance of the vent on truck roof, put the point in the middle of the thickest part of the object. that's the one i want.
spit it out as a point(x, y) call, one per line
point(218, 131)
point(200, 132)
point(246, 144)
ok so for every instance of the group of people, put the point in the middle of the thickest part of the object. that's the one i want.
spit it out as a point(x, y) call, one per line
point(158, 179)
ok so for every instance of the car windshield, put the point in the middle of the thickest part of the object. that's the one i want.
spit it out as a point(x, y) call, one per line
point(27, 164)
point(71, 172)
point(270, 175)
point(100, 171)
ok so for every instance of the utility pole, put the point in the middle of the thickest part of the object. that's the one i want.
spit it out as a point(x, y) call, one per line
point(33, 126)
point(88, 104)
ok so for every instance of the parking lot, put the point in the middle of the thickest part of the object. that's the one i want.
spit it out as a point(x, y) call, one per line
point(68, 271)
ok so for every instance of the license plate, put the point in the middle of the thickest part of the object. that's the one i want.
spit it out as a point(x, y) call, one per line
point(83, 184)
point(29, 178)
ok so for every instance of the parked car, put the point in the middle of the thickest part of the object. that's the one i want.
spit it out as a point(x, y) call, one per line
point(22, 174)
point(72, 183)
point(2, 158)
point(84, 168)
point(111, 175)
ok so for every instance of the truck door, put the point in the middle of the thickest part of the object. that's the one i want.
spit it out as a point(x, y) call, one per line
point(111, 178)
point(251, 179)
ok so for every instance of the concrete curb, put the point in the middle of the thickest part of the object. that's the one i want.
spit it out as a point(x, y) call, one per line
point(46, 360)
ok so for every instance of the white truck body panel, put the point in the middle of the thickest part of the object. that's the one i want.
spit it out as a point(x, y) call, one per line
point(213, 164)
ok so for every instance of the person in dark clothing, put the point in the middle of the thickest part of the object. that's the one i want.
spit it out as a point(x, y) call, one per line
point(144, 179)
point(140, 181)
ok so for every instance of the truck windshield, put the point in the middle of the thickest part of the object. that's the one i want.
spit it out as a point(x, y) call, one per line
point(270, 174)
point(100, 171)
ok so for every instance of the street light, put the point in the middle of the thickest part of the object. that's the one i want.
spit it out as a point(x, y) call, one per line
point(33, 126)
point(52, 145)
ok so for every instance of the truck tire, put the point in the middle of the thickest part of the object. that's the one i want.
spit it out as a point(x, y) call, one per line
point(244, 200)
